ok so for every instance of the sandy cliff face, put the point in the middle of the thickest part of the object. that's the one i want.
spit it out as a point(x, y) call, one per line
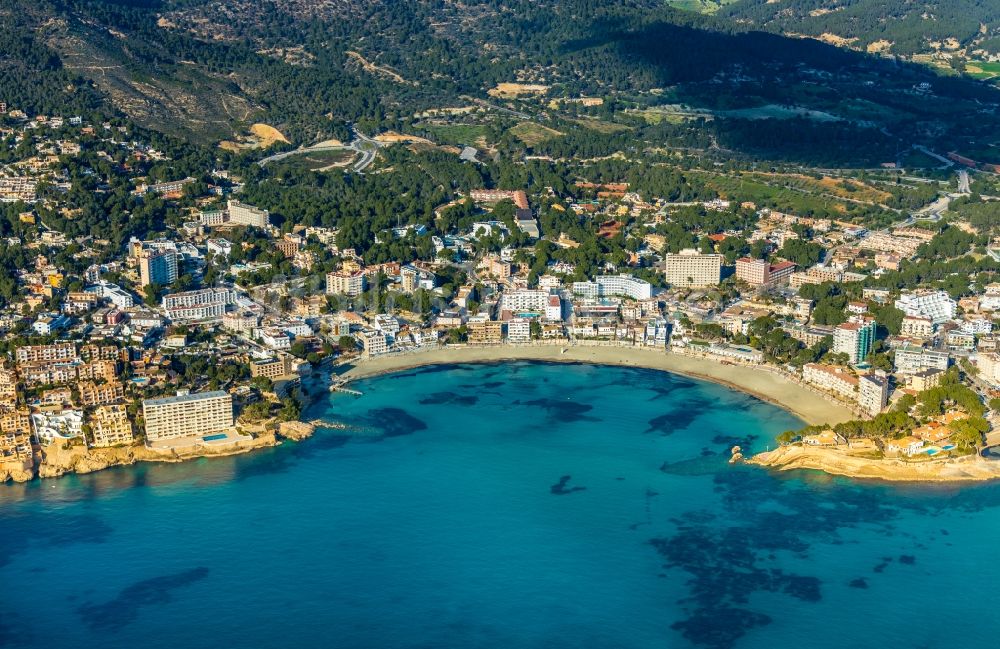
point(16, 472)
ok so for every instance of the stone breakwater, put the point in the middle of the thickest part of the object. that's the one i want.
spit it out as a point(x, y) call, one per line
point(971, 468)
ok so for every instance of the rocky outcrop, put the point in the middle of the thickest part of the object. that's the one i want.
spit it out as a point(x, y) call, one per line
point(16, 471)
point(58, 460)
point(835, 462)
point(295, 431)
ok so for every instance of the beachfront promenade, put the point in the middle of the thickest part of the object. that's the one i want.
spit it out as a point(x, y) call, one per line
point(764, 381)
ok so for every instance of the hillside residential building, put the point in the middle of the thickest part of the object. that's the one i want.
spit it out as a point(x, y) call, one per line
point(93, 394)
point(8, 386)
point(242, 214)
point(809, 336)
point(494, 196)
point(691, 268)
point(113, 293)
point(351, 284)
point(759, 272)
point(15, 436)
point(241, 322)
point(926, 379)
point(855, 338)
point(46, 353)
point(496, 267)
point(110, 426)
point(187, 415)
point(274, 368)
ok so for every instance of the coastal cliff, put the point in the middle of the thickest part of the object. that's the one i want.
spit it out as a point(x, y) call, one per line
point(57, 460)
point(16, 472)
point(969, 468)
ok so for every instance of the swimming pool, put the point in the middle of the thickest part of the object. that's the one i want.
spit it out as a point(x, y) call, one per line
point(214, 438)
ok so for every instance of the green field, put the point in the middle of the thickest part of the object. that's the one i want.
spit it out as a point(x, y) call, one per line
point(983, 69)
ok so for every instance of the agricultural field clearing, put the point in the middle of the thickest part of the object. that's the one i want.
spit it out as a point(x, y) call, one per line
point(316, 161)
point(671, 114)
point(838, 187)
point(515, 90)
point(459, 134)
point(983, 69)
point(601, 126)
point(533, 134)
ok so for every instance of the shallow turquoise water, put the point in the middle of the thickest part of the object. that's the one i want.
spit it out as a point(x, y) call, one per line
point(515, 505)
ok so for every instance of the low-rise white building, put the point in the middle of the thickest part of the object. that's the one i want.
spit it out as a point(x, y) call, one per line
point(936, 305)
point(59, 425)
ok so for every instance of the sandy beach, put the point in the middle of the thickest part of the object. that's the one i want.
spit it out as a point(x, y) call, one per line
point(765, 385)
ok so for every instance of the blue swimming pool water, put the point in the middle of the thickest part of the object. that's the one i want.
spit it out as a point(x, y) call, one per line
point(510, 506)
point(212, 438)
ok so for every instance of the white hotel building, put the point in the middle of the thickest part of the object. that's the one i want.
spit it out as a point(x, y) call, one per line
point(608, 285)
point(187, 415)
point(199, 305)
point(936, 305)
point(546, 304)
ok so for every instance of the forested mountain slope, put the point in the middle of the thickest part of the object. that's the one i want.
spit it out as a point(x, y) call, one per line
point(905, 27)
point(208, 68)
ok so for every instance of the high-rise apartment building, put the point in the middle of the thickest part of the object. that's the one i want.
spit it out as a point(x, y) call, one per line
point(157, 267)
point(855, 338)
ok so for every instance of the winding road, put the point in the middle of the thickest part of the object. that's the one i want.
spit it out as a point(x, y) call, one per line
point(365, 146)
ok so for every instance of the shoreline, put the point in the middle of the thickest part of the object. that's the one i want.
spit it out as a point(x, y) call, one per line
point(970, 468)
point(56, 461)
point(764, 385)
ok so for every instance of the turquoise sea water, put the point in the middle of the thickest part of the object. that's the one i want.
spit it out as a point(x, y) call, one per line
point(515, 505)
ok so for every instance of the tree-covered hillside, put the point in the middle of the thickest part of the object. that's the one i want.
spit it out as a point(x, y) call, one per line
point(207, 69)
point(903, 27)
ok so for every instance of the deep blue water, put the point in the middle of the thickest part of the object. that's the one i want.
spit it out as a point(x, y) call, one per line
point(515, 505)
